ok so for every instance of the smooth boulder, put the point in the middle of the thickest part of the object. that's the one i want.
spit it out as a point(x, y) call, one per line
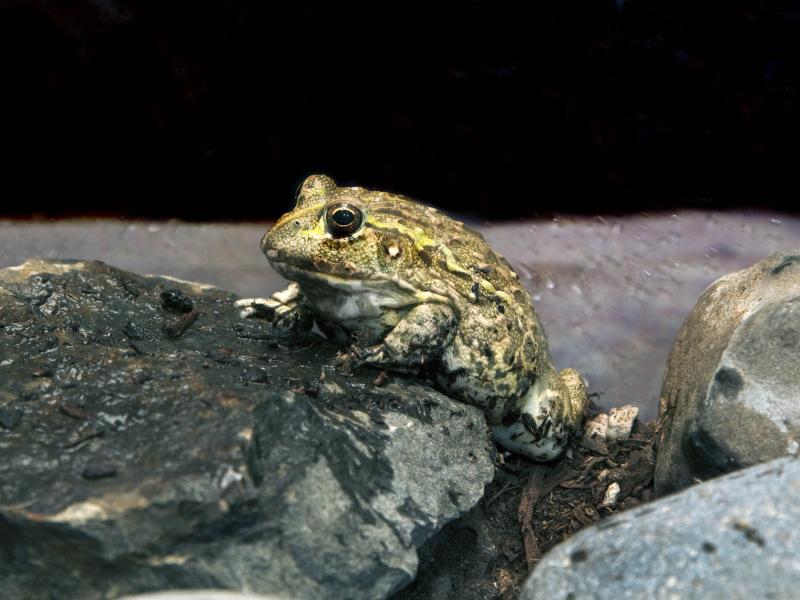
point(733, 537)
point(151, 440)
point(731, 393)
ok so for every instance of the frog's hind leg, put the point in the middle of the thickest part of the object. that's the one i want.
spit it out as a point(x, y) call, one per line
point(543, 419)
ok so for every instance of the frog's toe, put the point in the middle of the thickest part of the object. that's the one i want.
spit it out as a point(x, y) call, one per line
point(342, 361)
point(347, 361)
point(541, 424)
point(518, 437)
point(577, 397)
point(368, 354)
point(256, 308)
point(375, 355)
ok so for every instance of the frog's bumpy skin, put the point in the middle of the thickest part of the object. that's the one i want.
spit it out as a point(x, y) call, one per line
point(415, 291)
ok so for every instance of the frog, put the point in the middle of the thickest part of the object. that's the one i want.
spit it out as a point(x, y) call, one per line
point(403, 287)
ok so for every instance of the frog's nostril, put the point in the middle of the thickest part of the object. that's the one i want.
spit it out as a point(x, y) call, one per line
point(297, 223)
point(265, 242)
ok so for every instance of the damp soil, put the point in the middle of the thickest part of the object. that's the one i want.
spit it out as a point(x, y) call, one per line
point(528, 509)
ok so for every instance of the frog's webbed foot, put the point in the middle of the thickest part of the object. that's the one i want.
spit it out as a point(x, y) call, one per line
point(284, 309)
point(343, 362)
point(378, 355)
point(540, 423)
point(355, 356)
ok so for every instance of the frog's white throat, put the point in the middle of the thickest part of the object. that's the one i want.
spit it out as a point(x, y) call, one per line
point(355, 303)
point(394, 291)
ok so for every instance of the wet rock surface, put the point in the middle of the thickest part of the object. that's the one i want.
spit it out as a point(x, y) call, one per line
point(730, 392)
point(733, 537)
point(152, 440)
point(202, 595)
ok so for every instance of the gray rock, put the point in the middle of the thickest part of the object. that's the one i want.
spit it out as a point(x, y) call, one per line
point(730, 393)
point(202, 595)
point(620, 422)
point(154, 449)
point(733, 537)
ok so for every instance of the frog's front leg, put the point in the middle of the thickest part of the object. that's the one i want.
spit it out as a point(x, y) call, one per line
point(539, 423)
point(417, 339)
point(284, 309)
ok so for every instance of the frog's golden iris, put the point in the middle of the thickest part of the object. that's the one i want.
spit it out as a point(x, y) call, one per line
point(343, 219)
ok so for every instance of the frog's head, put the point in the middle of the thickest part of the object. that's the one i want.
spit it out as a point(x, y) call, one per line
point(349, 235)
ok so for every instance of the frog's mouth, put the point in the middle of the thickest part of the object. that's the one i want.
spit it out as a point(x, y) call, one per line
point(401, 292)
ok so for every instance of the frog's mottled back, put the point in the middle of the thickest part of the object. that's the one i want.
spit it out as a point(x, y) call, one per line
point(415, 290)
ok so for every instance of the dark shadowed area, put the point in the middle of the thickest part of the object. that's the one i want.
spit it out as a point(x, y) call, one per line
point(216, 110)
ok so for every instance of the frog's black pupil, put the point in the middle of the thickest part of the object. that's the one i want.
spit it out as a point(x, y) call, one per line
point(343, 220)
point(343, 217)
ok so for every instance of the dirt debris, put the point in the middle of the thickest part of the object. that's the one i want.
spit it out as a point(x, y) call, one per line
point(530, 508)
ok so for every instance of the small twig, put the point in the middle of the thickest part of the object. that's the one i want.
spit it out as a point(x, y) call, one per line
point(530, 496)
point(79, 442)
point(304, 348)
point(181, 324)
point(506, 488)
point(72, 411)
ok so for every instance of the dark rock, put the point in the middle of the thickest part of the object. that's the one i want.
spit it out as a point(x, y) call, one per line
point(175, 300)
point(733, 537)
point(98, 468)
point(456, 561)
point(226, 474)
point(730, 392)
point(10, 417)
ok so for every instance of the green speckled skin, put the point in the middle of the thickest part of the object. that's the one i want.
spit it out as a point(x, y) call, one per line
point(417, 291)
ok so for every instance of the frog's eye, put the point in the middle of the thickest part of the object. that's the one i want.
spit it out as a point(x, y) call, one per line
point(343, 219)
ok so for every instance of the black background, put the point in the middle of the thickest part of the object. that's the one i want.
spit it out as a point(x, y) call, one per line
point(217, 110)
